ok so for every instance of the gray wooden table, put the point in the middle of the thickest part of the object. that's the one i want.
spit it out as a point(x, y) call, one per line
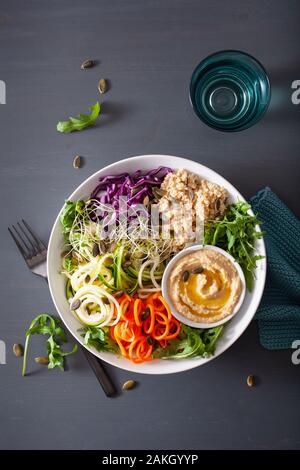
point(147, 49)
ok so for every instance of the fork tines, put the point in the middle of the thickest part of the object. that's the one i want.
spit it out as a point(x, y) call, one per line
point(28, 243)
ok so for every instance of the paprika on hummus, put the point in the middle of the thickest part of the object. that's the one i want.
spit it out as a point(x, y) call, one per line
point(204, 286)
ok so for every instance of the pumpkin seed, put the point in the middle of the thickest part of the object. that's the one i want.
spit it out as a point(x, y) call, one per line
point(95, 250)
point(158, 192)
point(146, 200)
point(105, 300)
point(87, 278)
point(75, 304)
point(129, 385)
point(191, 194)
point(102, 85)
point(118, 294)
point(18, 350)
point(76, 256)
point(145, 314)
point(112, 247)
point(185, 276)
point(150, 340)
point(198, 270)
point(42, 360)
point(250, 381)
point(109, 261)
point(127, 256)
point(218, 204)
point(102, 247)
point(77, 162)
point(87, 64)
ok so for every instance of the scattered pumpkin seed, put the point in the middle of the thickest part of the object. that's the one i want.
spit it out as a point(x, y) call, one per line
point(158, 192)
point(112, 246)
point(95, 250)
point(129, 385)
point(18, 350)
point(145, 314)
point(198, 270)
point(185, 276)
point(134, 191)
point(87, 64)
point(109, 261)
point(118, 294)
point(77, 162)
point(102, 85)
point(150, 340)
point(127, 256)
point(217, 204)
point(76, 256)
point(42, 360)
point(87, 278)
point(105, 300)
point(146, 200)
point(75, 304)
point(102, 247)
point(250, 381)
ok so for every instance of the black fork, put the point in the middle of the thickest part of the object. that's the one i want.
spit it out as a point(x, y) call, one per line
point(34, 253)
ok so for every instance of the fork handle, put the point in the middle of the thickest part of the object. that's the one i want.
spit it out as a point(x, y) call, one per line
point(100, 372)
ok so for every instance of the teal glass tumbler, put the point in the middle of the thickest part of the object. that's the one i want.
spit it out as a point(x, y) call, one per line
point(230, 91)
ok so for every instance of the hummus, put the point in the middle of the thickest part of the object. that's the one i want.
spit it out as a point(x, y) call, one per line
point(204, 286)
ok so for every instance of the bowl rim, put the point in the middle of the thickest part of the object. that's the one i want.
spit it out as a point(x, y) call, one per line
point(166, 276)
point(196, 361)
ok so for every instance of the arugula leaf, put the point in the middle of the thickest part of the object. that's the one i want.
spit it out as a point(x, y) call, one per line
point(210, 338)
point(68, 264)
point(81, 121)
point(67, 217)
point(192, 342)
point(44, 324)
point(99, 339)
point(236, 233)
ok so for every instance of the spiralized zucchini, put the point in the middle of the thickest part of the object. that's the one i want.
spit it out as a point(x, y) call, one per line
point(97, 307)
point(143, 290)
point(90, 271)
point(133, 265)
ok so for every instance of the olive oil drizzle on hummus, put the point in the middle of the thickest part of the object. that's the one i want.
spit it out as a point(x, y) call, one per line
point(213, 293)
point(208, 295)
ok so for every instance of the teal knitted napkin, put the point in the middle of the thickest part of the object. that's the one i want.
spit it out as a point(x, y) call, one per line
point(279, 312)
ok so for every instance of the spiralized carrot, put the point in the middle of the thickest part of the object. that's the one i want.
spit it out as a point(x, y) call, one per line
point(143, 322)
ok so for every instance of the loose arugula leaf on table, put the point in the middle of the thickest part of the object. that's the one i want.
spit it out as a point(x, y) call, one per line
point(99, 339)
point(81, 121)
point(44, 324)
point(236, 233)
point(192, 342)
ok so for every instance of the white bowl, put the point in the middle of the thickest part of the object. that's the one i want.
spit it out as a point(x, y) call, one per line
point(167, 273)
point(232, 330)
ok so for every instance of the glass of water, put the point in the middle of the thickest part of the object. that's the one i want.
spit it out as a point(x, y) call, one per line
point(230, 91)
